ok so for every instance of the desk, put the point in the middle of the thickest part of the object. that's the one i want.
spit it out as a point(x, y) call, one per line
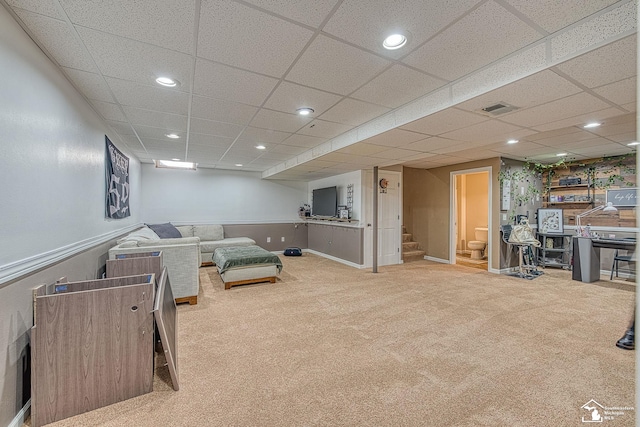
point(586, 256)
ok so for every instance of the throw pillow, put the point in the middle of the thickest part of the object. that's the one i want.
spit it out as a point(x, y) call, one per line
point(165, 231)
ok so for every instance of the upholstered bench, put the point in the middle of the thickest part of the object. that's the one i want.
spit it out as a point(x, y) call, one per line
point(241, 265)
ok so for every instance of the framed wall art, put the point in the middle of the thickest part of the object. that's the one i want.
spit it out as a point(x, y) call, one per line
point(550, 221)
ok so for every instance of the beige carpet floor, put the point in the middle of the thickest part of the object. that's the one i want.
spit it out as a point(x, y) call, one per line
point(419, 344)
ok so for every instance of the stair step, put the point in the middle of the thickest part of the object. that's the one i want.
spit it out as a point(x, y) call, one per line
point(413, 256)
point(409, 246)
point(406, 237)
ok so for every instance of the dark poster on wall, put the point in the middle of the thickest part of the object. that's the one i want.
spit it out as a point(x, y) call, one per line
point(117, 178)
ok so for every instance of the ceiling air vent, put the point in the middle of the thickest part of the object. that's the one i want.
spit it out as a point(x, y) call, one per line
point(499, 108)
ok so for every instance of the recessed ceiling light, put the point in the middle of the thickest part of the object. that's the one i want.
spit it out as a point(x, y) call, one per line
point(512, 141)
point(394, 41)
point(239, 165)
point(172, 135)
point(631, 144)
point(561, 154)
point(592, 125)
point(176, 160)
point(260, 147)
point(166, 81)
point(304, 111)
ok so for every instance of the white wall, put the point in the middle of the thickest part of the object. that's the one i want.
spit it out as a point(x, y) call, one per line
point(53, 152)
point(52, 186)
point(217, 196)
point(341, 182)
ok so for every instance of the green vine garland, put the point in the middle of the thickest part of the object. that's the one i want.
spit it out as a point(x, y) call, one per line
point(531, 174)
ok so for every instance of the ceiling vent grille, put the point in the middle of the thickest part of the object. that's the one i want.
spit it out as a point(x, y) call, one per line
point(499, 108)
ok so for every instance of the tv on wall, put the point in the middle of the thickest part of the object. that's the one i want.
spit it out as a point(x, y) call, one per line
point(325, 201)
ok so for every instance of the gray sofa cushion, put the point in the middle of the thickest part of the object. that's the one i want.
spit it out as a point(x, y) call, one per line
point(210, 246)
point(208, 232)
point(165, 231)
point(164, 242)
point(144, 233)
point(186, 230)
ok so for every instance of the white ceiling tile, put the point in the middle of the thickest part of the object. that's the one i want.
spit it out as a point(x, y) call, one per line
point(149, 97)
point(221, 110)
point(203, 150)
point(288, 97)
point(91, 85)
point(324, 129)
point(309, 12)
point(462, 147)
point(553, 15)
point(135, 61)
point(109, 111)
point(485, 35)
point(488, 131)
point(397, 86)
point(444, 121)
point(525, 93)
point(431, 144)
point(394, 138)
point(210, 127)
point(367, 23)
point(304, 141)
point(59, 39)
point(596, 29)
point(160, 134)
point(211, 141)
point(353, 112)
point(158, 119)
point(624, 138)
point(552, 140)
point(258, 136)
point(288, 150)
point(621, 92)
point(165, 23)
point(579, 120)
point(257, 38)
point(587, 143)
point(41, 7)
point(570, 106)
point(120, 127)
point(395, 153)
point(363, 149)
point(276, 120)
point(336, 67)
point(610, 63)
point(220, 81)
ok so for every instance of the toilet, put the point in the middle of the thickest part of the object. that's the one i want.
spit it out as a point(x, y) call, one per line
point(478, 246)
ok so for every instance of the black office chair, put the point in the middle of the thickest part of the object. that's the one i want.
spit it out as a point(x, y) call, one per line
point(616, 260)
point(527, 268)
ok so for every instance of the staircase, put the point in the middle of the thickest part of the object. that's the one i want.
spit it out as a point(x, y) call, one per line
point(410, 249)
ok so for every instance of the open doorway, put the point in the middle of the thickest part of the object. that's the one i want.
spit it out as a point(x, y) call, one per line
point(470, 224)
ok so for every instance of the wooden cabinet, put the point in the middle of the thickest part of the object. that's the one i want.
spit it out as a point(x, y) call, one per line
point(93, 342)
point(92, 345)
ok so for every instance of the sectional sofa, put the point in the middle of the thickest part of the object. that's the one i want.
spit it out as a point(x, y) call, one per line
point(183, 251)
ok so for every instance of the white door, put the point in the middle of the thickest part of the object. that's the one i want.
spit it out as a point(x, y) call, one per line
point(389, 233)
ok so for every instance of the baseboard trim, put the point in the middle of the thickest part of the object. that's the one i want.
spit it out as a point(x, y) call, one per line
point(16, 269)
point(434, 259)
point(340, 260)
point(20, 418)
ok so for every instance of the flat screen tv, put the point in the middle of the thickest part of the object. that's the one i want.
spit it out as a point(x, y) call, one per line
point(325, 201)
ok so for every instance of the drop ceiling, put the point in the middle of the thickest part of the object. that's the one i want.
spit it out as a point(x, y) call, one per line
point(244, 67)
